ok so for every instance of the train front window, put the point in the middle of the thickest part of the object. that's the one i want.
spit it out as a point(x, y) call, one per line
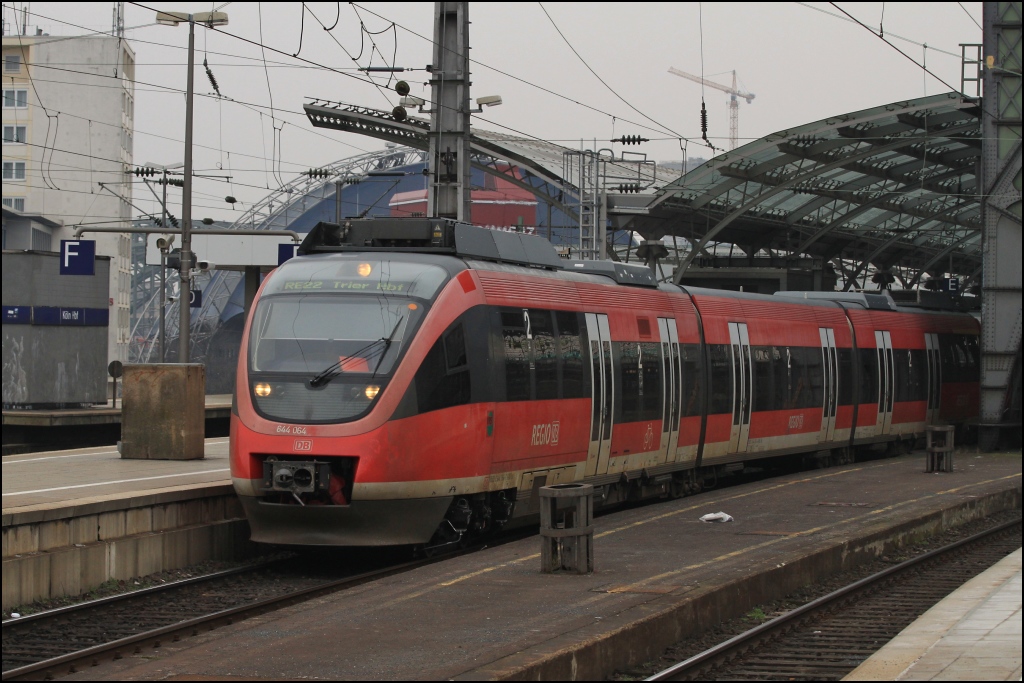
point(312, 334)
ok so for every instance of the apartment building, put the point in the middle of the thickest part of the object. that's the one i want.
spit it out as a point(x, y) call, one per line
point(68, 129)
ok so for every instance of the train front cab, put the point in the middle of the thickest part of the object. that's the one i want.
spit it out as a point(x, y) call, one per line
point(309, 399)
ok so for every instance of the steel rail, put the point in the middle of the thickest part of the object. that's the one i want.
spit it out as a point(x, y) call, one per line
point(73, 660)
point(131, 595)
point(686, 667)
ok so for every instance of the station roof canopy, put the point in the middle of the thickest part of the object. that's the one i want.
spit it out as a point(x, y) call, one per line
point(890, 185)
point(886, 186)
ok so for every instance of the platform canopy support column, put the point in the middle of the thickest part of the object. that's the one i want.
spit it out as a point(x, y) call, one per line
point(1000, 190)
point(449, 195)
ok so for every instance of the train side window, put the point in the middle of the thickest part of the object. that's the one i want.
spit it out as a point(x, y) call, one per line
point(721, 379)
point(517, 356)
point(545, 355)
point(650, 404)
point(868, 371)
point(570, 348)
point(911, 375)
point(765, 358)
point(783, 379)
point(845, 358)
point(630, 385)
point(690, 369)
point(442, 380)
point(455, 348)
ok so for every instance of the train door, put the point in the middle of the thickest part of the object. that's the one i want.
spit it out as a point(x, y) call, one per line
point(602, 382)
point(931, 344)
point(670, 388)
point(739, 343)
point(830, 372)
point(886, 381)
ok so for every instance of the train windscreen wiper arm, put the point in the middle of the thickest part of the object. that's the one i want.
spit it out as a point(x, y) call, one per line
point(333, 370)
point(387, 345)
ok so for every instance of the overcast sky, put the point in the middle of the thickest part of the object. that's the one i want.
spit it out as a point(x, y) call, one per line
point(802, 64)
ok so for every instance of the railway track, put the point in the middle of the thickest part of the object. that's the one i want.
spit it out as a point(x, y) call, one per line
point(827, 638)
point(57, 642)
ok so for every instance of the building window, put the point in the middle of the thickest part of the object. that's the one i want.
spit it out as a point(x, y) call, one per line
point(14, 170)
point(15, 99)
point(16, 203)
point(40, 240)
point(12, 64)
point(14, 134)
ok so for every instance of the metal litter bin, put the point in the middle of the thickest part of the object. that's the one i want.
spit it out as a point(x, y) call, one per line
point(567, 528)
point(940, 448)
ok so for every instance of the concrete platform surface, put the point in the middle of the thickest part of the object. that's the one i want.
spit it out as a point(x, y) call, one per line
point(52, 479)
point(659, 572)
point(217, 405)
point(972, 634)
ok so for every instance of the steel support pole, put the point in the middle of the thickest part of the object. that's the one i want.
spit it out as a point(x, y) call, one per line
point(1000, 190)
point(448, 161)
point(185, 312)
point(163, 303)
point(163, 278)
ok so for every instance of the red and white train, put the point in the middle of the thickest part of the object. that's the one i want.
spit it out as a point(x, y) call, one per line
point(412, 381)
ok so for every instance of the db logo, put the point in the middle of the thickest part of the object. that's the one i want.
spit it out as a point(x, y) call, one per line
point(303, 445)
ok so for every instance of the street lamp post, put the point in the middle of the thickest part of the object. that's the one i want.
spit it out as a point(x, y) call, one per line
point(185, 322)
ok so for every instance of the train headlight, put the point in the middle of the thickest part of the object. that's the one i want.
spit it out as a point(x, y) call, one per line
point(372, 391)
point(262, 389)
point(364, 269)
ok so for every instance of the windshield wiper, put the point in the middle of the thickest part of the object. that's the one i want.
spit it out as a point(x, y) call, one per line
point(387, 345)
point(333, 370)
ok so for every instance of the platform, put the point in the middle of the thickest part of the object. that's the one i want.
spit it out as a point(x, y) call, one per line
point(972, 634)
point(75, 519)
point(217, 406)
point(661, 575)
point(26, 431)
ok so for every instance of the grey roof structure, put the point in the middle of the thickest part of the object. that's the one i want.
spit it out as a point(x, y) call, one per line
point(890, 185)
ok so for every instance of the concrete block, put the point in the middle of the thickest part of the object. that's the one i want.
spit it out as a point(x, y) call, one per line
point(33, 580)
point(213, 510)
point(164, 414)
point(176, 548)
point(55, 534)
point(12, 582)
point(190, 512)
point(85, 529)
point(199, 545)
point(111, 525)
point(95, 564)
point(165, 517)
point(123, 557)
point(66, 572)
point(22, 539)
point(150, 554)
point(138, 521)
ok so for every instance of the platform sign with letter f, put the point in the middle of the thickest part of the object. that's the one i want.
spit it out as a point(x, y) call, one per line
point(77, 257)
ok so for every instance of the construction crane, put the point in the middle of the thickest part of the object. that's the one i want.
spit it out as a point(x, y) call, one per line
point(734, 105)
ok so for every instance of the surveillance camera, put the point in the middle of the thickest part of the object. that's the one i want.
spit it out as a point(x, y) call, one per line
point(164, 242)
point(205, 266)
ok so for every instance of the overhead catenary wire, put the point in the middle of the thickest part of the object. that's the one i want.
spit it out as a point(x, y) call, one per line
point(598, 77)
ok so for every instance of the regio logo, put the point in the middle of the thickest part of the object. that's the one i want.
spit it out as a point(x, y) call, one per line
point(545, 434)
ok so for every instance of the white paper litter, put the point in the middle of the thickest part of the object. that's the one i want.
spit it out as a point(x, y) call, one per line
point(716, 517)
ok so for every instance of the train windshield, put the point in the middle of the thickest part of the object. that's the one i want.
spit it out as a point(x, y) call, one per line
point(312, 334)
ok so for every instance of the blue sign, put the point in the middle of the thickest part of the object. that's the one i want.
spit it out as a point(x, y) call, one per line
point(195, 298)
point(77, 257)
point(286, 251)
point(72, 316)
point(17, 315)
point(951, 284)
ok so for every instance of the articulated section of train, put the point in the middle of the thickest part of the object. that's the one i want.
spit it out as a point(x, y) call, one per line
point(416, 382)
